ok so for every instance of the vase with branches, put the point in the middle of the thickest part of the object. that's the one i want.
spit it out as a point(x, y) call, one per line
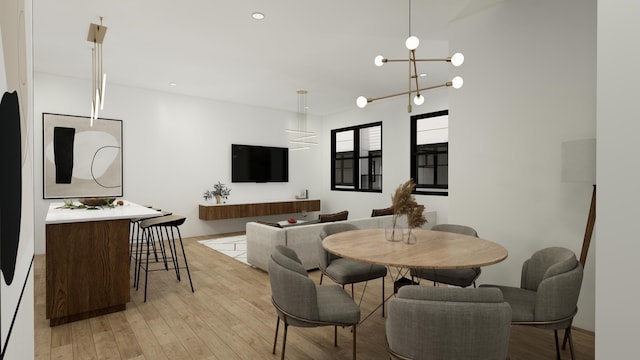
point(220, 192)
point(404, 203)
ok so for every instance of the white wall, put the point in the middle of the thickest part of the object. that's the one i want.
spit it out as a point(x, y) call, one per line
point(17, 281)
point(618, 296)
point(529, 86)
point(395, 154)
point(176, 147)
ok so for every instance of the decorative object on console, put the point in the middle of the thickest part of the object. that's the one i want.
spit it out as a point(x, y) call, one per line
point(404, 203)
point(304, 194)
point(98, 77)
point(412, 43)
point(301, 135)
point(220, 192)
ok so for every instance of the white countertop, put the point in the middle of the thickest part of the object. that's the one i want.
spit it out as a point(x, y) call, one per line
point(127, 211)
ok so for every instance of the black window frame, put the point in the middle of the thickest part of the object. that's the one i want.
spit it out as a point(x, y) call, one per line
point(356, 159)
point(434, 188)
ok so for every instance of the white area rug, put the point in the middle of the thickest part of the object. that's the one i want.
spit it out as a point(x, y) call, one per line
point(232, 246)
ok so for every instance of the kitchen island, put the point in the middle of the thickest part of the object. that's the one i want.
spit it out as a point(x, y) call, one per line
point(87, 260)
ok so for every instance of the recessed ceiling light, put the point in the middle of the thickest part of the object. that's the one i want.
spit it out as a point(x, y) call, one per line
point(423, 74)
point(173, 84)
point(257, 15)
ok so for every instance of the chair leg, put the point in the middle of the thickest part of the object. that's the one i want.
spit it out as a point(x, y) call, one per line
point(184, 255)
point(138, 260)
point(146, 273)
point(335, 336)
point(174, 254)
point(162, 247)
point(171, 242)
point(275, 339)
point(284, 340)
point(354, 341)
point(383, 296)
point(555, 332)
point(321, 276)
point(567, 334)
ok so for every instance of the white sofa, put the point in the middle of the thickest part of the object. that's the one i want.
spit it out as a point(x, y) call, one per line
point(262, 239)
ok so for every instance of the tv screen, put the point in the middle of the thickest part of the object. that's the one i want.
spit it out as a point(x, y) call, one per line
point(250, 163)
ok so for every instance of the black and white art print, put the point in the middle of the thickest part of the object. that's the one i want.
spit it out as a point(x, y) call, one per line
point(81, 159)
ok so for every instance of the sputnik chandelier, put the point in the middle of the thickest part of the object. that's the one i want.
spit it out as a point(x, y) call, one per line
point(412, 43)
point(98, 77)
point(301, 136)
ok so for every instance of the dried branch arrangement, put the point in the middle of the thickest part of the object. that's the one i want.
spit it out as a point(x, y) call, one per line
point(404, 203)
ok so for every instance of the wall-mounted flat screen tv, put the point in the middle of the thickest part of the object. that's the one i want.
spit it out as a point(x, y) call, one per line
point(250, 163)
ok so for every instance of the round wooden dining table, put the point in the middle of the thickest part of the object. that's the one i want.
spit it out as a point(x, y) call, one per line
point(431, 250)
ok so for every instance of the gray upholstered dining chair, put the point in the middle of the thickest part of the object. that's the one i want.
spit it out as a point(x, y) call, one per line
point(382, 212)
point(457, 277)
point(300, 302)
point(548, 294)
point(426, 322)
point(346, 271)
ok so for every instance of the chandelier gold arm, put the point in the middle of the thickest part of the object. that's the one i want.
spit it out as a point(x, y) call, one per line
point(448, 59)
point(446, 84)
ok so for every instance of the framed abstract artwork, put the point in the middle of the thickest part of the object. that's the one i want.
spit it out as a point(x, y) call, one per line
point(79, 159)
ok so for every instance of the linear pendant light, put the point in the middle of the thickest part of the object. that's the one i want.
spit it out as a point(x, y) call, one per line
point(301, 135)
point(98, 77)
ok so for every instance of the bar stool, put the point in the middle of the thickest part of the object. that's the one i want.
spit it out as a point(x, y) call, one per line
point(153, 231)
point(137, 237)
point(136, 233)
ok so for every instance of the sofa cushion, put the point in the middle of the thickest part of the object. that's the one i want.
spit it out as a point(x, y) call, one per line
point(339, 216)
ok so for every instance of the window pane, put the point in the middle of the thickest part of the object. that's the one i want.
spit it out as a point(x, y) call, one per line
point(443, 175)
point(360, 168)
point(348, 176)
point(429, 144)
point(370, 139)
point(433, 130)
point(344, 141)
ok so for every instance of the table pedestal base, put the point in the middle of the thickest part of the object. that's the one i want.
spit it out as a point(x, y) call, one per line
point(402, 282)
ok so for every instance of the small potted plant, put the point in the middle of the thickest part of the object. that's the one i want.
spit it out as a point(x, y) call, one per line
point(220, 192)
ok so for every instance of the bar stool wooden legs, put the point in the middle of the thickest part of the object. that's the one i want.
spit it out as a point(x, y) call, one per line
point(161, 229)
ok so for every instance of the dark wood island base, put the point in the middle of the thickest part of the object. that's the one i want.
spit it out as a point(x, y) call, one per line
point(87, 269)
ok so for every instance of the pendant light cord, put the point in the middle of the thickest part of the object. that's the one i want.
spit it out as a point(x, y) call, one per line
point(410, 18)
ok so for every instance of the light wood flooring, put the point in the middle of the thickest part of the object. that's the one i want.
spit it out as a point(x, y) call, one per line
point(230, 316)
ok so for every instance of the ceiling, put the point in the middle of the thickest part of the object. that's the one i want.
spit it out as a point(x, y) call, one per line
point(214, 49)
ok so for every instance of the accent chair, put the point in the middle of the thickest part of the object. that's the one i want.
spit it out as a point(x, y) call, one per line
point(302, 303)
point(456, 277)
point(346, 271)
point(548, 294)
point(438, 323)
